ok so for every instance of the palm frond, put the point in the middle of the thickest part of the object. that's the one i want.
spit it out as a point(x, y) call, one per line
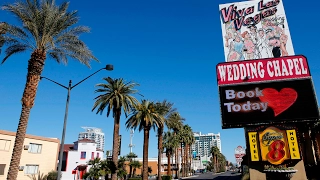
point(50, 27)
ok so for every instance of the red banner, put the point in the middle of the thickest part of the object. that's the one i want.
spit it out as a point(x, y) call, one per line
point(281, 68)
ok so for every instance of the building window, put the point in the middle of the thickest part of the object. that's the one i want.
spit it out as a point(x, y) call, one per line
point(83, 155)
point(5, 145)
point(2, 167)
point(31, 169)
point(35, 148)
point(97, 155)
point(92, 155)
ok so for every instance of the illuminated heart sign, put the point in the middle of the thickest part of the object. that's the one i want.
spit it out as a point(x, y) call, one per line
point(279, 101)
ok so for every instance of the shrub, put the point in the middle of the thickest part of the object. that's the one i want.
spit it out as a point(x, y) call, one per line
point(52, 175)
point(166, 177)
point(135, 178)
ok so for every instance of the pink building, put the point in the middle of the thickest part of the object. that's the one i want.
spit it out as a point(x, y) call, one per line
point(76, 156)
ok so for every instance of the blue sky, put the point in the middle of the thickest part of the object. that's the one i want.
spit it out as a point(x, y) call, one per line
point(169, 47)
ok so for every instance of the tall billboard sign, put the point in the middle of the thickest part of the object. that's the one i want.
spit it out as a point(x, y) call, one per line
point(239, 152)
point(254, 30)
point(266, 91)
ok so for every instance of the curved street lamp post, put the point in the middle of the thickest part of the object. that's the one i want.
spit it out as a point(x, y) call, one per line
point(108, 67)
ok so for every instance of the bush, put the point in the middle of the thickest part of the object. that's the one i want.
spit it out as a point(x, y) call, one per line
point(135, 178)
point(52, 175)
point(166, 177)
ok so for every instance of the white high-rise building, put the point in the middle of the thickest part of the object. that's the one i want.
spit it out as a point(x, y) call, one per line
point(94, 134)
point(204, 142)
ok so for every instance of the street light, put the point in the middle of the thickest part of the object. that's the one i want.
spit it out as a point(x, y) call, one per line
point(109, 67)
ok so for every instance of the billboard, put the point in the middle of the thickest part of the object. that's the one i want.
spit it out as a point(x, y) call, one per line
point(270, 102)
point(254, 30)
point(264, 91)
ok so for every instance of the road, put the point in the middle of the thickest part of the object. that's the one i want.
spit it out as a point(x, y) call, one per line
point(223, 176)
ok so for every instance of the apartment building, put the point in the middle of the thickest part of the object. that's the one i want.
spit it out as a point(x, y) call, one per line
point(94, 134)
point(204, 142)
point(39, 154)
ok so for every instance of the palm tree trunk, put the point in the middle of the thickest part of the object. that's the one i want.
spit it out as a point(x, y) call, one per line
point(145, 154)
point(182, 163)
point(177, 162)
point(115, 146)
point(35, 67)
point(187, 160)
point(190, 158)
point(160, 132)
point(18, 144)
point(169, 165)
point(130, 170)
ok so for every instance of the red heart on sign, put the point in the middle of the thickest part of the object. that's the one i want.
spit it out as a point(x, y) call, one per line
point(279, 101)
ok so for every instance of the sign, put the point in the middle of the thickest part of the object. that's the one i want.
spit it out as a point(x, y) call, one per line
point(194, 154)
point(254, 30)
point(274, 145)
point(253, 142)
point(269, 102)
point(239, 160)
point(239, 150)
point(293, 144)
point(282, 68)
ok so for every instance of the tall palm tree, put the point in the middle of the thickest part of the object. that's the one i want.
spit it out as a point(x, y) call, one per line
point(115, 95)
point(175, 122)
point(188, 139)
point(169, 144)
point(144, 117)
point(46, 29)
point(184, 136)
point(130, 157)
point(215, 152)
point(164, 108)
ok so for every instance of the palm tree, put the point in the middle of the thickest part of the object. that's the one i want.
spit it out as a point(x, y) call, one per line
point(164, 108)
point(184, 135)
point(95, 170)
point(144, 117)
point(222, 162)
point(116, 95)
point(108, 167)
point(215, 152)
point(175, 122)
point(122, 167)
point(135, 165)
point(46, 29)
point(188, 140)
point(37, 176)
point(131, 156)
point(3, 30)
point(170, 142)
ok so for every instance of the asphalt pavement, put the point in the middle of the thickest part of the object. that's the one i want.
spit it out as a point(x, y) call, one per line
point(229, 175)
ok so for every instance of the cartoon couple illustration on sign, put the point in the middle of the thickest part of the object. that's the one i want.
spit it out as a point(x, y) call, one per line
point(255, 43)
